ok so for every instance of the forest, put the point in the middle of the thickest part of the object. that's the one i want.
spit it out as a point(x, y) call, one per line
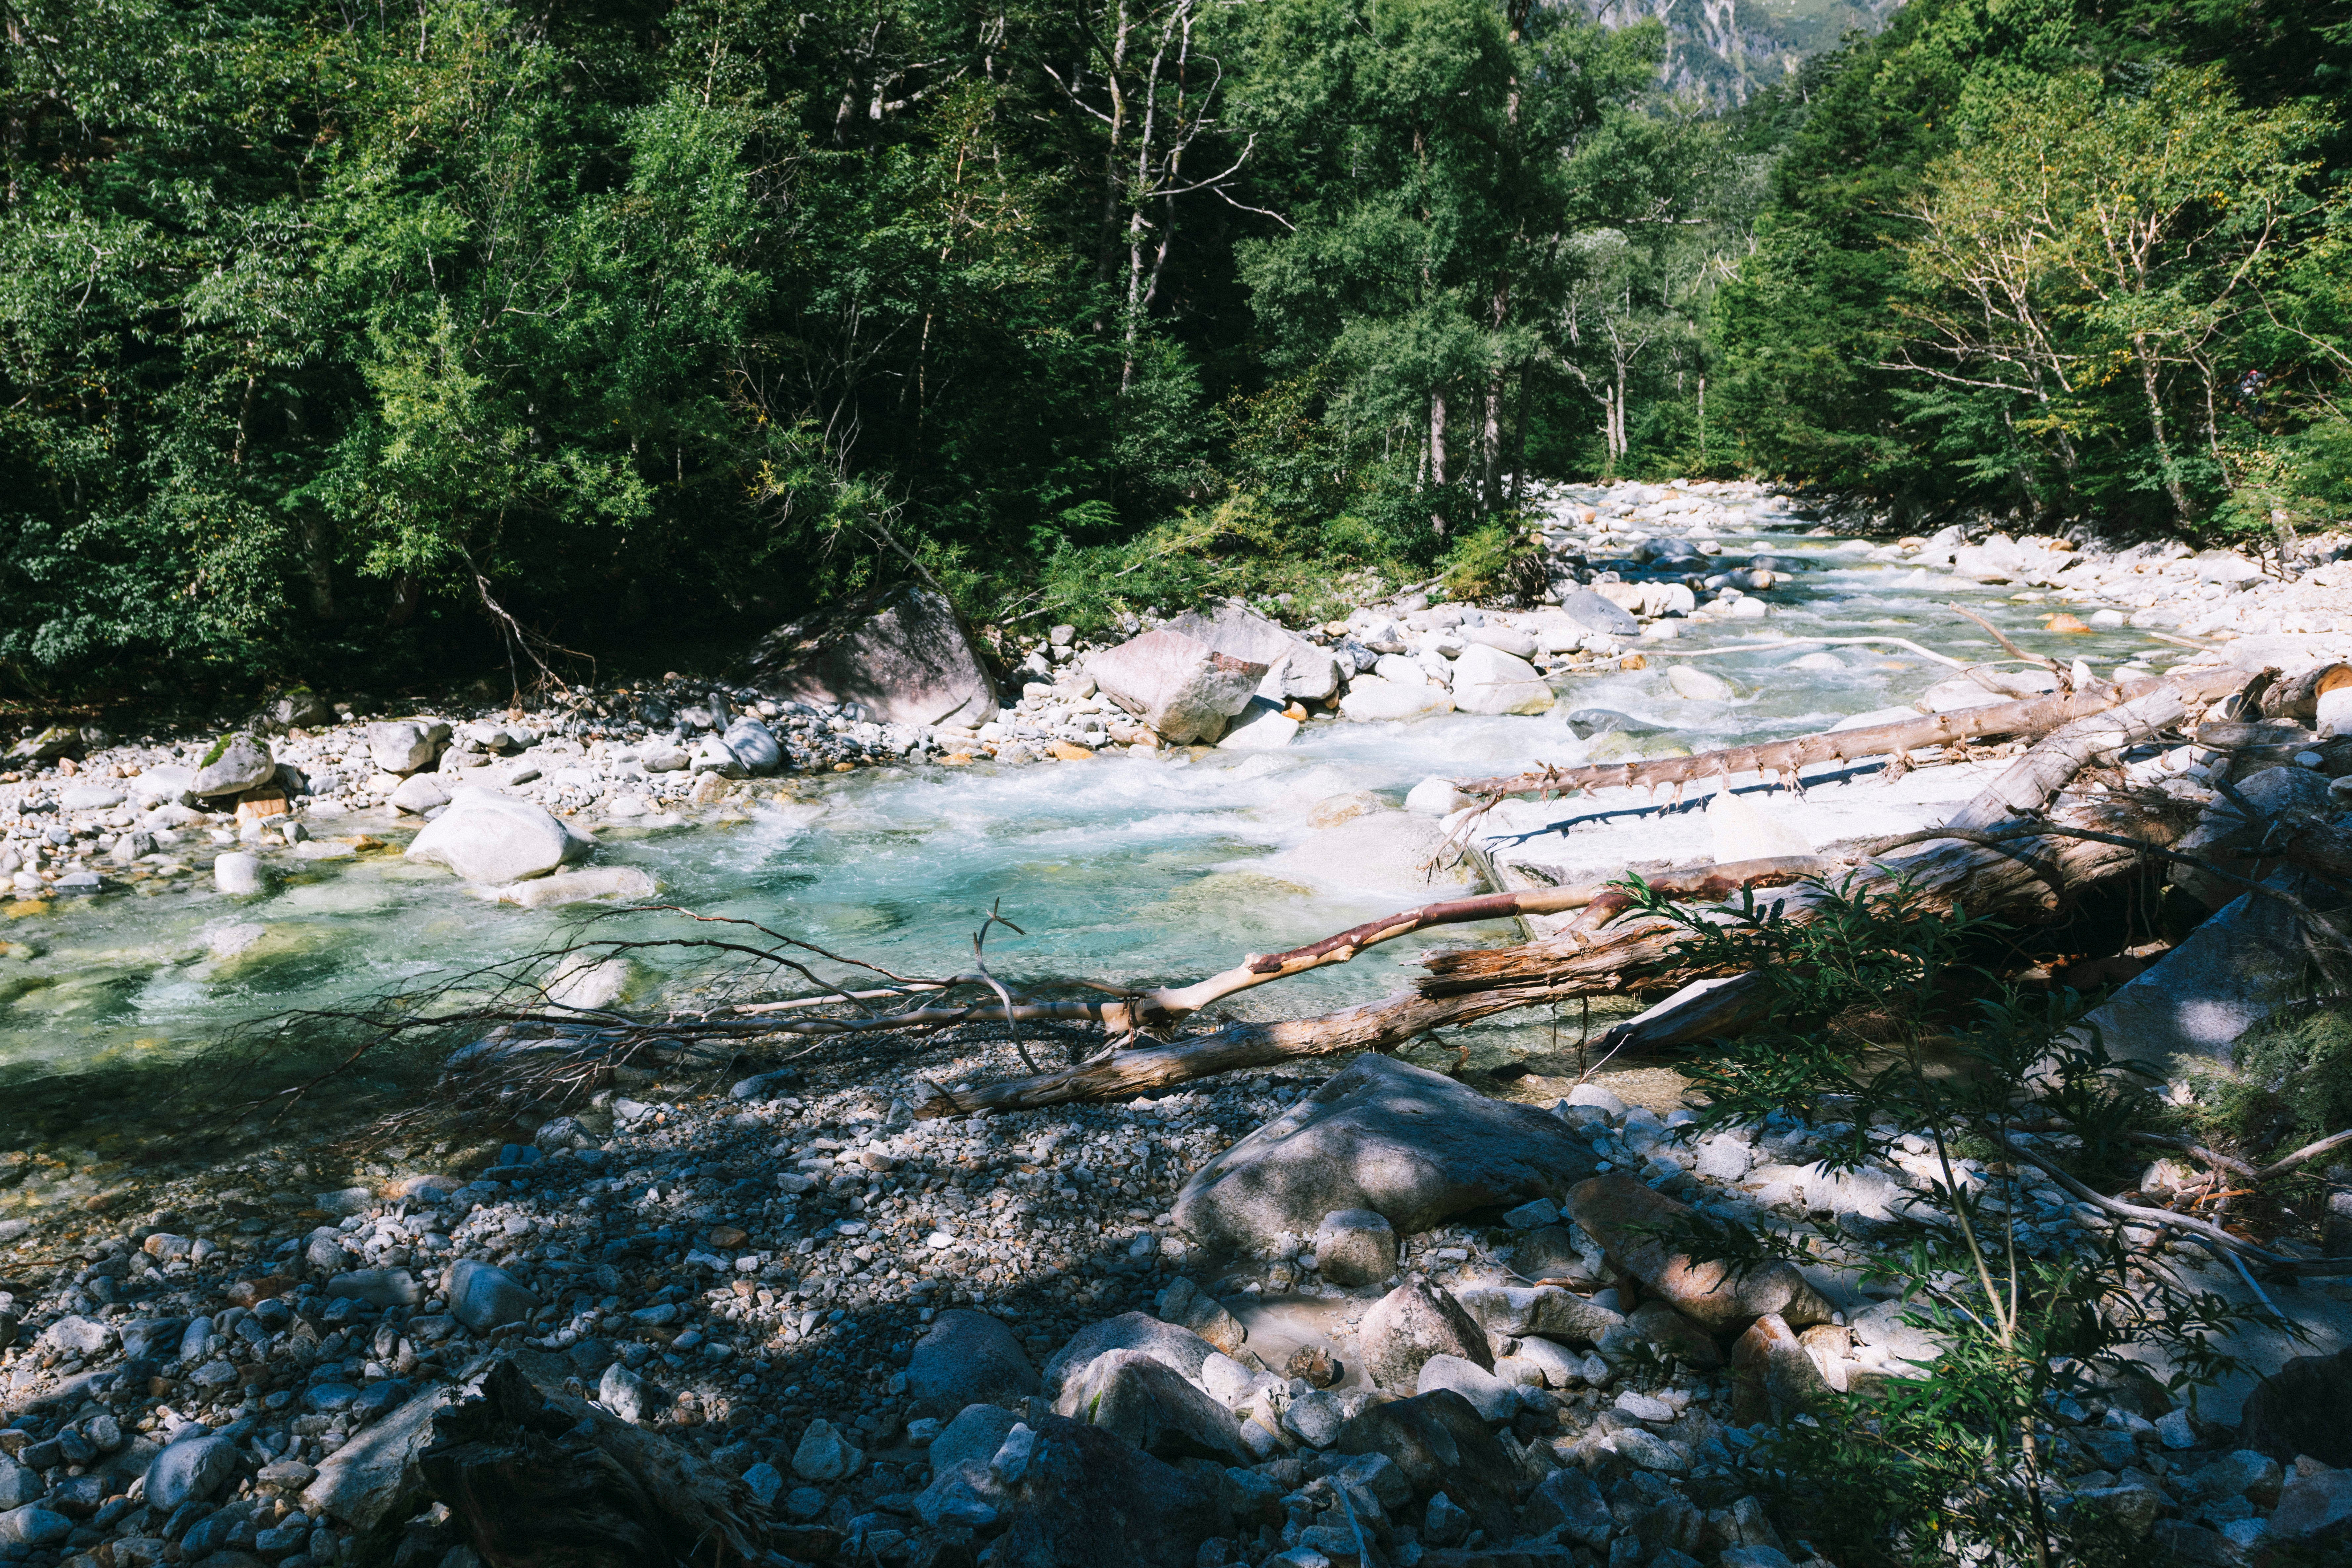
point(349, 343)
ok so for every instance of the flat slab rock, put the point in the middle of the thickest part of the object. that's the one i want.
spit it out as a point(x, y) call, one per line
point(1414, 1146)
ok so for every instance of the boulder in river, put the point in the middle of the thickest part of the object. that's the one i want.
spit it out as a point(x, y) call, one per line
point(1372, 700)
point(237, 763)
point(486, 836)
point(1486, 680)
point(1177, 1348)
point(2303, 1408)
point(754, 746)
point(1153, 1407)
point(1178, 685)
point(592, 884)
point(902, 655)
point(1397, 854)
point(1414, 1146)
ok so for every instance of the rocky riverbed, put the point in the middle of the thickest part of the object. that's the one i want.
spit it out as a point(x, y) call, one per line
point(1129, 1334)
point(1074, 1336)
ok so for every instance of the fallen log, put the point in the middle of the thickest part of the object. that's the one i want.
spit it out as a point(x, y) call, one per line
point(1784, 759)
point(2023, 879)
point(1705, 883)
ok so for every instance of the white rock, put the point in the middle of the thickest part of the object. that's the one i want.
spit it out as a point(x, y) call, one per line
point(1740, 830)
point(238, 872)
point(1434, 796)
point(1699, 686)
point(1373, 700)
point(486, 836)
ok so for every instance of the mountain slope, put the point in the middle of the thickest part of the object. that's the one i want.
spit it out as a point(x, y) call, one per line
point(1722, 50)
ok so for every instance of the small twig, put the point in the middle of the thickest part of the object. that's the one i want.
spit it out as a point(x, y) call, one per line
point(1012, 1024)
point(2308, 1152)
point(2065, 676)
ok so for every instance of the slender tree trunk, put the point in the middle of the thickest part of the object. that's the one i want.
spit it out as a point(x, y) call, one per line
point(407, 593)
point(1519, 436)
point(2147, 381)
point(1437, 459)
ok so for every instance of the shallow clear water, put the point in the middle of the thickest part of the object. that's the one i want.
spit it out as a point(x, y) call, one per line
point(1124, 869)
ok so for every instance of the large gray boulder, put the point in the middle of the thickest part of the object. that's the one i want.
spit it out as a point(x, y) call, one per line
point(237, 763)
point(2291, 792)
point(1636, 1225)
point(486, 836)
point(967, 1358)
point(482, 1296)
point(2232, 973)
point(375, 1475)
point(902, 655)
point(1294, 668)
point(1413, 1146)
point(754, 745)
point(1178, 685)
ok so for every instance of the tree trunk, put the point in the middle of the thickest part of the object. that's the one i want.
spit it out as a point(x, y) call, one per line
point(1437, 460)
point(2147, 381)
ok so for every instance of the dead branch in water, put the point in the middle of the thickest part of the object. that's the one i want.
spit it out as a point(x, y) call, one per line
point(1784, 759)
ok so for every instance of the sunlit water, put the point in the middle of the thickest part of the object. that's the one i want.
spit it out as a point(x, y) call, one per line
point(1125, 870)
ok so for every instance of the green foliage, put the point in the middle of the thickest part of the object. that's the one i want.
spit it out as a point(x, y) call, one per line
point(1878, 1017)
point(1495, 559)
point(2293, 1082)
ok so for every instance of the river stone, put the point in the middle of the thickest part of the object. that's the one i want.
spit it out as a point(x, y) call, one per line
point(193, 1469)
point(1356, 1246)
point(1772, 1376)
point(1294, 668)
point(962, 1481)
point(1398, 854)
point(622, 1392)
point(1568, 1501)
point(1516, 1311)
point(1181, 1349)
point(590, 884)
point(754, 746)
point(486, 837)
point(237, 763)
point(1411, 1145)
point(1261, 727)
point(2303, 1408)
point(1595, 613)
point(1189, 1307)
point(2316, 1505)
point(1177, 685)
point(967, 1358)
point(419, 794)
point(74, 1335)
point(1412, 1323)
point(902, 655)
point(1441, 1443)
point(824, 1455)
point(377, 1287)
point(1087, 1500)
point(1371, 700)
point(34, 1525)
point(1698, 686)
point(19, 1484)
point(403, 745)
point(1494, 1399)
point(482, 1296)
point(1622, 1215)
point(1488, 680)
point(1153, 1407)
point(375, 1475)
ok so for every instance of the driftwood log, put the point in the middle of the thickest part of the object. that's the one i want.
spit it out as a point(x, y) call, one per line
point(2015, 878)
point(1783, 759)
